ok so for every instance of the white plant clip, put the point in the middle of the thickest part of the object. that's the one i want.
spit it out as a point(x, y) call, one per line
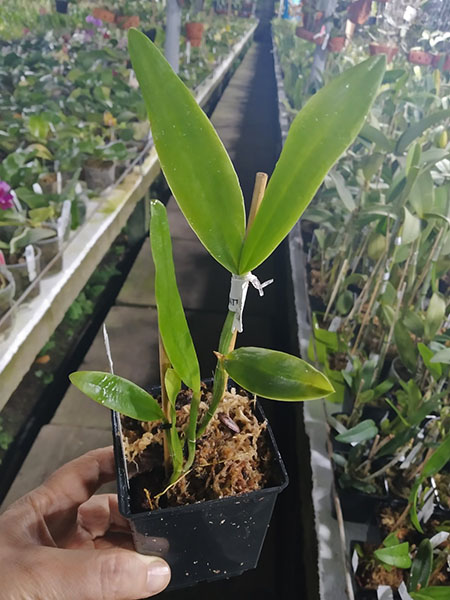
point(238, 295)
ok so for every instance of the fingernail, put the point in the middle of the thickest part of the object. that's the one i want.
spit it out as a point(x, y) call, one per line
point(158, 576)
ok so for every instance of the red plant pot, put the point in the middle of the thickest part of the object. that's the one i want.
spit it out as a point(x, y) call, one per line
point(305, 34)
point(359, 11)
point(103, 14)
point(336, 44)
point(419, 57)
point(390, 51)
point(194, 33)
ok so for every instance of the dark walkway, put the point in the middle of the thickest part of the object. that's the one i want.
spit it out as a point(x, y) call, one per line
point(246, 120)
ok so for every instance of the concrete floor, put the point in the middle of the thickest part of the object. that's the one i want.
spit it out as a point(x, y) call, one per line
point(246, 120)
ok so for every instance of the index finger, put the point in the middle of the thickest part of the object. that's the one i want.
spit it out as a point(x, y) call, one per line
point(75, 482)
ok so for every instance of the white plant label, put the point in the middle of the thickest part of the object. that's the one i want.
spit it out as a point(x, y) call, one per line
point(58, 182)
point(355, 561)
point(438, 539)
point(31, 262)
point(63, 221)
point(403, 592)
point(335, 324)
point(238, 295)
point(37, 188)
point(384, 592)
point(188, 52)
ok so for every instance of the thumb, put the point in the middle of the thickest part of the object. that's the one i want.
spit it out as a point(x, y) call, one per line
point(112, 574)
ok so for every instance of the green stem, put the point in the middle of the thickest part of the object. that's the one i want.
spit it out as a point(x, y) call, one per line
point(191, 430)
point(220, 375)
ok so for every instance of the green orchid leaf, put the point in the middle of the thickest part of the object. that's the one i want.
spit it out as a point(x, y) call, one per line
point(411, 227)
point(416, 129)
point(438, 460)
point(406, 348)
point(343, 191)
point(173, 385)
point(414, 323)
point(275, 375)
point(172, 382)
point(432, 593)
point(377, 137)
point(442, 356)
point(118, 394)
point(435, 315)
point(413, 510)
point(366, 430)
point(172, 322)
point(193, 159)
point(395, 556)
point(391, 540)
point(322, 130)
point(427, 355)
point(421, 566)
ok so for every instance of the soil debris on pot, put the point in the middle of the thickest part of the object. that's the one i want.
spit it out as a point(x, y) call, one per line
point(232, 457)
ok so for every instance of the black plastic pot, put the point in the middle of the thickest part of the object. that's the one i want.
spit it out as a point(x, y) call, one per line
point(61, 6)
point(209, 540)
point(363, 593)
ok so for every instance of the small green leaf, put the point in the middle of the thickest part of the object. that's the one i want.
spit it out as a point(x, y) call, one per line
point(173, 384)
point(377, 137)
point(432, 593)
point(391, 540)
point(435, 315)
point(322, 130)
point(395, 556)
point(118, 394)
point(416, 129)
point(421, 566)
point(438, 460)
point(195, 163)
point(406, 348)
point(443, 356)
point(428, 355)
point(276, 375)
point(172, 322)
point(365, 430)
point(411, 227)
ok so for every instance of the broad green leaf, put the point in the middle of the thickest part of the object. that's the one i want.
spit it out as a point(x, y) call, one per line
point(172, 322)
point(432, 593)
point(275, 375)
point(370, 165)
point(365, 430)
point(377, 137)
point(414, 323)
point(435, 315)
point(118, 394)
point(322, 130)
point(421, 197)
point(195, 163)
point(344, 303)
point(443, 356)
point(416, 129)
point(427, 355)
point(411, 227)
point(395, 556)
point(421, 566)
point(438, 460)
point(405, 346)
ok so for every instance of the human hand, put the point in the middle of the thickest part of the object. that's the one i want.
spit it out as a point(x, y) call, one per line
point(59, 542)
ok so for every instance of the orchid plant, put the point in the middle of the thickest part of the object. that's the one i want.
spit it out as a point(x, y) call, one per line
point(204, 183)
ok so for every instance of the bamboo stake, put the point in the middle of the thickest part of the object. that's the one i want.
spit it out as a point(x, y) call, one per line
point(164, 364)
point(367, 315)
point(336, 287)
point(257, 197)
point(228, 337)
